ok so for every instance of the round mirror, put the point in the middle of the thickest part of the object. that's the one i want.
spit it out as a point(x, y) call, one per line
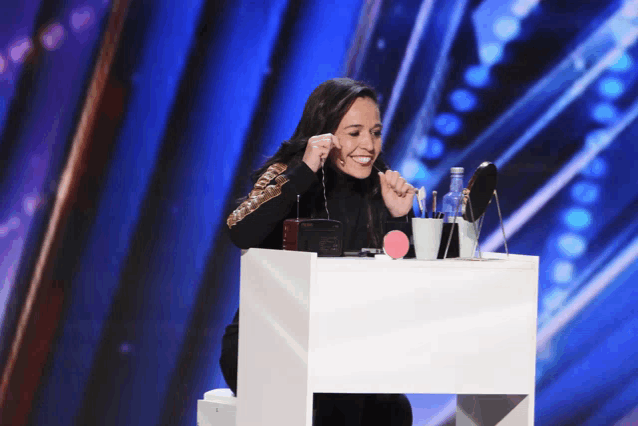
point(480, 190)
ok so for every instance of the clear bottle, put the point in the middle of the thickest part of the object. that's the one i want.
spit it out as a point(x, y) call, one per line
point(451, 200)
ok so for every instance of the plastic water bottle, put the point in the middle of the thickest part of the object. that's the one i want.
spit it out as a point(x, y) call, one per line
point(452, 200)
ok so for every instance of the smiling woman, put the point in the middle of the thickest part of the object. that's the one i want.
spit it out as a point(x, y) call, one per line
point(327, 165)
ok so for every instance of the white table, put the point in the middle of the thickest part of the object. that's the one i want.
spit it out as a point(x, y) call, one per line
point(361, 325)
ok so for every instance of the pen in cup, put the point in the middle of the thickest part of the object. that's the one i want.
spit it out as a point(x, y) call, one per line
point(434, 214)
point(420, 196)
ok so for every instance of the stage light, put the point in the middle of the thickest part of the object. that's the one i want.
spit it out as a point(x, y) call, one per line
point(611, 88)
point(447, 124)
point(629, 10)
point(52, 36)
point(577, 218)
point(477, 76)
point(605, 113)
point(522, 8)
point(597, 139)
point(434, 149)
point(412, 170)
point(30, 204)
point(572, 245)
point(14, 223)
point(381, 44)
point(557, 296)
point(421, 146)
point(125, 348)
point(463, 100)
point(596, 168)
point(507, 28)
point(562, 272)
point(429, 147)
point(585, 192)
point(20, 49)
point(622, 64)
point(579, 63)
point(10, 225)
point(491, 53)
point(81, 19)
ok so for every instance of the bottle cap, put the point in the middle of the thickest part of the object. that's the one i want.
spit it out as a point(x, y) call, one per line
point(457, 170)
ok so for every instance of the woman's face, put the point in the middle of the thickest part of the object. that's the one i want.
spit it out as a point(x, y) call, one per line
point(359, 134)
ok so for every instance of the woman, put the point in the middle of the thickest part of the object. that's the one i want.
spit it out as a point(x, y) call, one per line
point(331, 162)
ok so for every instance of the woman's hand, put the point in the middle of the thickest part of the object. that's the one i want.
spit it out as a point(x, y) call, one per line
point(397, 194)
point(318, 148)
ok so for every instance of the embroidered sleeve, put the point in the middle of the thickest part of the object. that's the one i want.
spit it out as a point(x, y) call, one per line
point(262, 192)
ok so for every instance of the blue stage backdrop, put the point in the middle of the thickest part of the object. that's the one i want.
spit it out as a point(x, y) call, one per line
point(208, 89)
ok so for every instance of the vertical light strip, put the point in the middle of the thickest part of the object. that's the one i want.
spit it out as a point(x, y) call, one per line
point(535, 203)
point(406, 64)
point(359, 49)
point(589, 293)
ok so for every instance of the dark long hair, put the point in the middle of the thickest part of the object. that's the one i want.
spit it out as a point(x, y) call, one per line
point(324, 110)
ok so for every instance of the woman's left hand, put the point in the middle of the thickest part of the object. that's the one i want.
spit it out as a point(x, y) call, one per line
point(397, 194)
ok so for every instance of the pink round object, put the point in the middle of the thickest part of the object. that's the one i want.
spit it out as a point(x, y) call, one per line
point(396, 244)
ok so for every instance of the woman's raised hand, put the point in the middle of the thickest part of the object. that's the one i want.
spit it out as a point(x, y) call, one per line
point(318, 149)
point(397, 194)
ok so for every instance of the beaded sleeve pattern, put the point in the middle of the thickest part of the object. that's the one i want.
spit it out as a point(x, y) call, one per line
point(263, 191)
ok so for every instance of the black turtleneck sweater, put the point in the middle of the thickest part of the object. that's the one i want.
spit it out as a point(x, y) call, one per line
point(348, 205)
point(258, 221)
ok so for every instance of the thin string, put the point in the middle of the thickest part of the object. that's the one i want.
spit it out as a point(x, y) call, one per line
point(323, 181)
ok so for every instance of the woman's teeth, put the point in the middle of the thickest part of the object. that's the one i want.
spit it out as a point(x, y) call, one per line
point(362, 160)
